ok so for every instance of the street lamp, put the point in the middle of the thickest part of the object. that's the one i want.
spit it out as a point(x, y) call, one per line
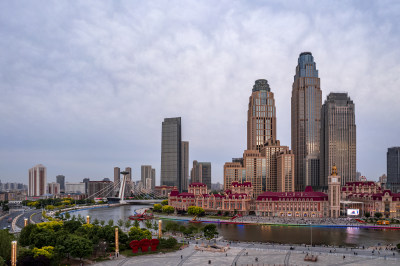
point(311, 233)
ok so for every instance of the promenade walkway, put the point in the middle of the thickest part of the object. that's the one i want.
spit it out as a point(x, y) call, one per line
point(262, 254)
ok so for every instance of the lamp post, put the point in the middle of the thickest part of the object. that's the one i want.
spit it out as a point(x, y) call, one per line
point(311, 233)
point(88, 219)
point(13, 253)
point(25, 222)
point(159, 228)
point(116, 242)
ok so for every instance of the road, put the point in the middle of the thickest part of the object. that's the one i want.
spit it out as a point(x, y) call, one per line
point(20, 221)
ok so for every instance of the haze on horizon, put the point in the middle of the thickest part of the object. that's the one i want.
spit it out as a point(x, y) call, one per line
point(85, 85)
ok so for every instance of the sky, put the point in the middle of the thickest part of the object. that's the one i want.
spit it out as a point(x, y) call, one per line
point(85, 85)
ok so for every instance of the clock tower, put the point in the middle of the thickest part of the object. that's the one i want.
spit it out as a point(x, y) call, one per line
point(334, 193)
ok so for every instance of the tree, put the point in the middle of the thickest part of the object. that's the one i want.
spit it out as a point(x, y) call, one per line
point(210, 230)
point(157, 207)
point(102, 223)
point(47, 251)
point(367, 214)
point(194, 210)
point(5, 244)
point(378, 215)
point(67, 215)
point(172, 227)
point(96, 222)
point(136, 223)
point(120, 223)
point(164, 202)
point(128, 224)
point(24, 237)
point(138, 234)
point(79, 247)
point(168, 243)
point(168, 209)
point(148, 224)
point(155, 225)
point(110, 222)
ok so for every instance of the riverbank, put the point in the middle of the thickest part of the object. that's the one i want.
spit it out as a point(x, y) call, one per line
point(280, 222)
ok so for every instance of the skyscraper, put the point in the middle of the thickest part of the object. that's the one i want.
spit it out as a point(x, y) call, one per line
point(393, 169)
point(306, 112)
point(60, 179)
point(129, 185)
point(37, 180)
point(185, 165)
point(201, 173)
point(338, 138)
point(261, 118)
point(147, 176)
point(171, 168)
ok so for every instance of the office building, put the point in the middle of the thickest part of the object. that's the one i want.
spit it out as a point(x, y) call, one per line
point(60, 179)
point(338, 138)
point(261, 117)
point(393, 169)
point(285, 171)
point(75, 188)
point(37, 181)
point(201, 173)
point(148, 176)
point(305, 125)
point(129, 184)
point(100, 189)
point(53, 188)
point(185, 165)
point(171, 168)
point(86, 182)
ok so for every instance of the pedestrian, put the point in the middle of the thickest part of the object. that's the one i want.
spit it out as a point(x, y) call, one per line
point(181, 257)
point(344, 257)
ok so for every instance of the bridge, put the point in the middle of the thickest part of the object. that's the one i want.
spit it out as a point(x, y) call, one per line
point(115, 193)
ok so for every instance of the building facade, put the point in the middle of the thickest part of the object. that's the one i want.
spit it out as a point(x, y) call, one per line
point(306, 112)
point(60, 179)
point(393, 169)
point(171, 168)
point(201, 173)
point(338, 138)
point(185, 165)
point(261, 116)
point(100, 189)
point(53, 188)
point(75, 188)
point(285, 171)
point(37, 181)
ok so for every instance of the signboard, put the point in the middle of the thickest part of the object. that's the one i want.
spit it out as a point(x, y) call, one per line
point(353, 211)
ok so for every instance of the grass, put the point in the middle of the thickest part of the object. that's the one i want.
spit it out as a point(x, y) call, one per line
point(219, 217)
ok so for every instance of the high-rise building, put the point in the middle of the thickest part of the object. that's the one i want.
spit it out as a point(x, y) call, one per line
point(185, 165)
point(334, 193)
point(117, 175)
point(261, 117)
point(285, 171)
point(128, 185)
point(171, 169)
point(100, 189)
point(86, 182)
point(75, 188)
point(306, 112)
point(201, 173)
point(53, 188)
point(60, 179)
point(148, 176)
point(37, 180)
point(393, 169)
point(338, 138)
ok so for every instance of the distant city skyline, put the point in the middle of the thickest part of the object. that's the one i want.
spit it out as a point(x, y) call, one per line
point(83, 92)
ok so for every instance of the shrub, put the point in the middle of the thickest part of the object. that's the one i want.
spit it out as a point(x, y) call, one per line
point(168, 243)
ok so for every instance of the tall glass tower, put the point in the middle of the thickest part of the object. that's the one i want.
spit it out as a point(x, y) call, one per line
point(338, 138)
point(171, 168)
point(261, 118)
point(393, 168)
point(306, 113)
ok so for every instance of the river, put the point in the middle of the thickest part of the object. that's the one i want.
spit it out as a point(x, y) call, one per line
point(348, 236)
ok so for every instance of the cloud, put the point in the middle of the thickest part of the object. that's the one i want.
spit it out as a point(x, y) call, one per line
point(85, 85)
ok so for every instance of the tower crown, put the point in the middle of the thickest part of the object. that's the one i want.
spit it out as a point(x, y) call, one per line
point(261, 85)
point(334, 170)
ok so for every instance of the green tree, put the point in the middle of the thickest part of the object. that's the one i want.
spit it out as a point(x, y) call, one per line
point(102, 223)
point(5, 244)
point(138, 234)
point(157, 208)
point(136, 223)
point(111, 222)
point(209, 231)
point(25, 235)
point(367, 214)
point(96, 222)
point(128, 224)
point(378, 215)
point(168, 209)
point(168, 243)
point(194, 210)
point(120, 223)
point(172, 227)
point(47, 251)
point(79, 247)
point(155, 225)
point(164, 202)
point(67, 215)
point(148, 224)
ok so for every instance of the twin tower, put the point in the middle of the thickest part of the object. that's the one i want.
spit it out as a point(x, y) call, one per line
point(317, 145)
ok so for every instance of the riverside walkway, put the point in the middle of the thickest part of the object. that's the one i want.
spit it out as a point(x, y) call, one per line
point(262, 254)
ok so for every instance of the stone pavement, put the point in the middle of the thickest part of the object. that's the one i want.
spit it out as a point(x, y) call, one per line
point(249, 254)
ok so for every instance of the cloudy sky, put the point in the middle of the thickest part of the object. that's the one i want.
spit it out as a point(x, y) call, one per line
point(85, 85)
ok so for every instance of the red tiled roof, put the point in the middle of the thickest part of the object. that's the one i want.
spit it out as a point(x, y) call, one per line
point(174, 193)
point(186, 195)
point(360, 183)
